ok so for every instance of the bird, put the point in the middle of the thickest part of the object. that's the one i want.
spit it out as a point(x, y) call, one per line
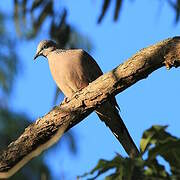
point(73, 70)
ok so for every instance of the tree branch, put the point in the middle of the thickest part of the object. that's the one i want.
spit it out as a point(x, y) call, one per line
point(48, 129)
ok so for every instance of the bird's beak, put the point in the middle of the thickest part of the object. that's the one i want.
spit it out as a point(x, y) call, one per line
point(36, 55)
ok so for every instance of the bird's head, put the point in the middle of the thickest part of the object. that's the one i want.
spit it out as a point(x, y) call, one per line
point(44, 48)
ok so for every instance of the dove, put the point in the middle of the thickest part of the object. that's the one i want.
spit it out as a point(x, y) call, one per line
point(73, 70)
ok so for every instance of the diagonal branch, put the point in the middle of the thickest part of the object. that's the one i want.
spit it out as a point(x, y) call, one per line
point(48, 129)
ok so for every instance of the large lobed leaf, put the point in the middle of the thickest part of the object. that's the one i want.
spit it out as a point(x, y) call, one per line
point(156, 141)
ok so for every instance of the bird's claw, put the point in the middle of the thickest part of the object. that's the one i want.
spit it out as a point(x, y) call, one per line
point(66, 100)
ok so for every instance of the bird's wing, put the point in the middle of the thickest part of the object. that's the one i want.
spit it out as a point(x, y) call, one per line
point(108, 112)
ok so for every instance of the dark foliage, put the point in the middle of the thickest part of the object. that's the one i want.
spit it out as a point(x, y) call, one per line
point(156, 142)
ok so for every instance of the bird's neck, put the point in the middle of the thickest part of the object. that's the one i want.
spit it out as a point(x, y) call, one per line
point(55, 52)
point(61, 50)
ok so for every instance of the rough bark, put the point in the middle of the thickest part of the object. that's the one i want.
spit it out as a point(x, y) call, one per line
point(48, 129)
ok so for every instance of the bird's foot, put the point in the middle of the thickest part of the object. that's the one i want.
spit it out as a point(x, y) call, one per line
point(66, 100)
point(75, 95)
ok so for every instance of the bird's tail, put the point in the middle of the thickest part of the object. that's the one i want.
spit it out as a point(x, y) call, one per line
point(110, 115)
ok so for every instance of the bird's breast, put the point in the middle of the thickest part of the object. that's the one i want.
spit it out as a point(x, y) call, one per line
point(68, 74)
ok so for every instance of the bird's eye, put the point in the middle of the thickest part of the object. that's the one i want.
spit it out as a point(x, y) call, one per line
point(45, 46)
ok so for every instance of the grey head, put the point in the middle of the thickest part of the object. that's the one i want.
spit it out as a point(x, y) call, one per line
point(44, 48)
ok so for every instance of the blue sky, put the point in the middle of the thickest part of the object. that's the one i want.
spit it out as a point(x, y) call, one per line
point(151, 101)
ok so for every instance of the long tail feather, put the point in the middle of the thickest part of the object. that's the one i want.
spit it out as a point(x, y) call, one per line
point(110, 115)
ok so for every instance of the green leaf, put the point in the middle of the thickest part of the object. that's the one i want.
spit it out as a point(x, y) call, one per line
point(104, 10)
point(152, 136)
point(36, 4)
point(177, 10)
point(117, 9)
point(115, 176)
point(45, 12)
point(176, 6)
point(24, 12)
point(170, 151)
point(105, 165)
point(155, 169)
point(16, 17)
point(145, 140)
point(124, 168)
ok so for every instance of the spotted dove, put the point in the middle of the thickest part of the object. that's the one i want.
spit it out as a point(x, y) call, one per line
point(73, 70)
